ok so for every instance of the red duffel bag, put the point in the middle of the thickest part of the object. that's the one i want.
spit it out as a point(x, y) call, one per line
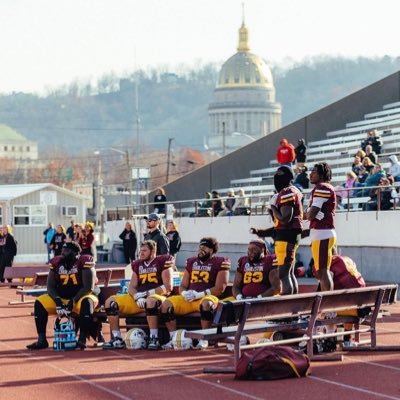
point(276, 362)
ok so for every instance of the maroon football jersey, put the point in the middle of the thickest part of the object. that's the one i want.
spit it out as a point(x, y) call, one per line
point(149, 273)
point(255, 276)
point(290, 197)
point(345, 273)
point(69, 281)
point(203, 274)
point(327, 192)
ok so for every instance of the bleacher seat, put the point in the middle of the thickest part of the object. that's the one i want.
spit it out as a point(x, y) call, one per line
point(337, 149)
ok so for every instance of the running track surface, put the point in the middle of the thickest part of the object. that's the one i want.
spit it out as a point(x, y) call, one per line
point(127, 374)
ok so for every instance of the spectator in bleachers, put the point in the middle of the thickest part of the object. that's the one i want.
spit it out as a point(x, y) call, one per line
point(360, 153)
point(343, 191)
point(356, 164)
point(285, 154)
point(368, 164)
point(205, 209)
point(361, 178)
point(301, 153)
point(394, 169)
point(373, 179)
point(216, 203)
point(374, 140)
point(384, 192)
point(349, 183)
point(302, 181)
point(371, 154)
point(241, 206)
point(229, 204)
point(160, 201)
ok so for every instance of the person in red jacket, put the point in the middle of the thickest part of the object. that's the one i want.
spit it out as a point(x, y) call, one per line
point(285, 154)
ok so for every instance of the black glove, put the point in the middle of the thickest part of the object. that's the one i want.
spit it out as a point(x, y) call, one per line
point(59, 302)
point(69, 306)
point(253, 231)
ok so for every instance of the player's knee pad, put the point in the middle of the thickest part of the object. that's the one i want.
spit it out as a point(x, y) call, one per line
point(153, 311)
point(113, 309)
point(87, 308)
point(169, 315)
point(206, 315)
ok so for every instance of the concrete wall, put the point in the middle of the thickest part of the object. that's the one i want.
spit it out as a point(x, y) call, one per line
point(312, 127)
point(370, 238)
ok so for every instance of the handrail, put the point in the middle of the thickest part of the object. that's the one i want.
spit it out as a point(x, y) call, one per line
point(259, 202)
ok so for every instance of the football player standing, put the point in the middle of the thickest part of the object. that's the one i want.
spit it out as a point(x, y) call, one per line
point(287, 212)
point(321, 215)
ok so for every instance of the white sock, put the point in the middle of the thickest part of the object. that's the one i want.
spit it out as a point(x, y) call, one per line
point(171, 334)
point(116, 334)
point(154, 332)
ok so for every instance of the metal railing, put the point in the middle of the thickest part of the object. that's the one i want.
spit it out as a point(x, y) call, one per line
point(357, 199)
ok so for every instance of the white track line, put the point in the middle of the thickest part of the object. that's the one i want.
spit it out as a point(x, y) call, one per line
point(343, 385)
point(121, 396)
point(371, 363)
point(175, 372)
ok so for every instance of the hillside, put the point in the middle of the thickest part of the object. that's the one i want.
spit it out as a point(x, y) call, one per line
point(81, 117)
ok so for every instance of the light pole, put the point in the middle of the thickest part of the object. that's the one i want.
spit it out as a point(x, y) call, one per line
point(169, 157)
point(129, 172)
point(99, 199)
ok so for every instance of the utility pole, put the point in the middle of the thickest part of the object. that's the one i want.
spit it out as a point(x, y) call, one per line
point(169, 157)
point(137, 118)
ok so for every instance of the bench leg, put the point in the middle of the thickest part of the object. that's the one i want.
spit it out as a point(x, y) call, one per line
point(22, 301)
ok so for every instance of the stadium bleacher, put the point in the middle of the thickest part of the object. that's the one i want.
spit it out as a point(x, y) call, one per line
point(337, 149)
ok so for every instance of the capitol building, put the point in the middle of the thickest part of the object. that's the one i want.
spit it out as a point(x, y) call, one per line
point(243, 108)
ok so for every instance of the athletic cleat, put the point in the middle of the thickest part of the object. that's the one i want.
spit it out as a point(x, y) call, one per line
point(168, 346)
point(202, 345)
point(115, 343)
point(81, 345)
point(153, 344)
point(38, 345)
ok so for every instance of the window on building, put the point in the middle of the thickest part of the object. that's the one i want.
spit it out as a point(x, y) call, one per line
point(12, 148)
point(30, 215)
point(28, 149)
point(5, 148)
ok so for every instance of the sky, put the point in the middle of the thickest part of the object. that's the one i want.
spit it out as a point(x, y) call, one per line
point(48, 43)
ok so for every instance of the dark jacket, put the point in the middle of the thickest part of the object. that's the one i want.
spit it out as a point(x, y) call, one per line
point(129, 241)
point(302, 180)
point(174, 242)
point(160, 239)
point(301, 151)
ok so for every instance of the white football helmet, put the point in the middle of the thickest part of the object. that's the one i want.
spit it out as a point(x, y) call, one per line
point(180, 341)
point(136, 339)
